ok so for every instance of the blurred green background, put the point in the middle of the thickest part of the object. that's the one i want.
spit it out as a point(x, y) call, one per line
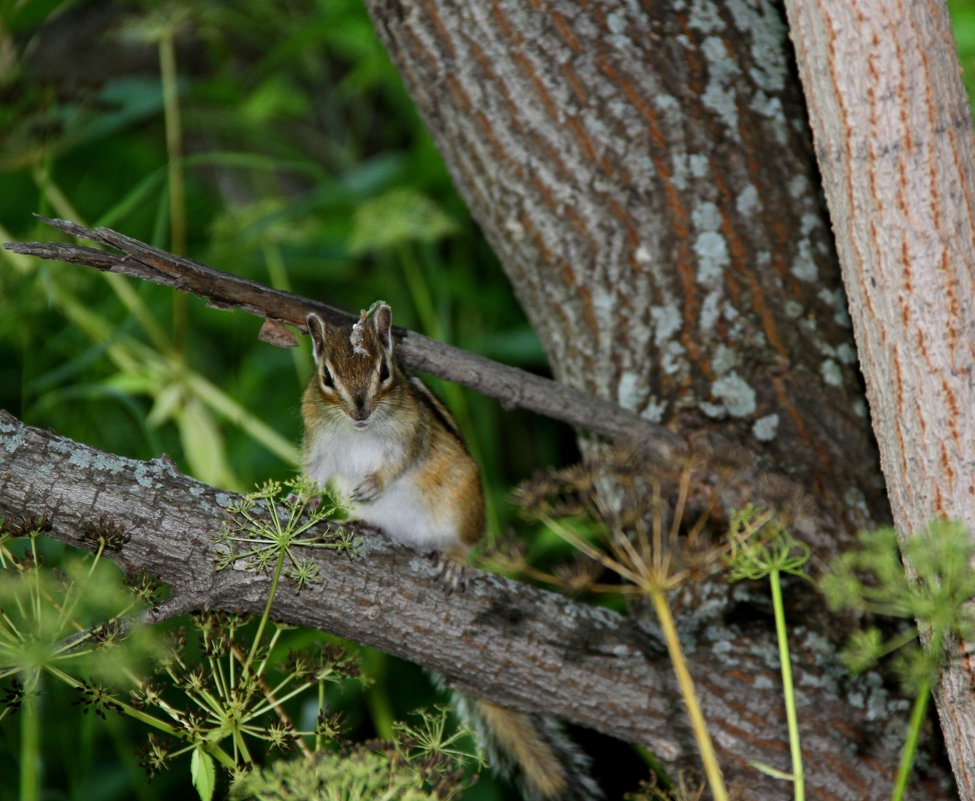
point(274, 141)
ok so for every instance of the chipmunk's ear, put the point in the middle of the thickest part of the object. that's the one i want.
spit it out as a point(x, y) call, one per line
point(317, 330)
point(382, 321)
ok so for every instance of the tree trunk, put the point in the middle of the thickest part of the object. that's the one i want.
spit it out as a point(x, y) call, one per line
point(895, 145)
point(646, 175)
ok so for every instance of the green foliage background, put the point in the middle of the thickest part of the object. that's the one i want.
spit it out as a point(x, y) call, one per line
point(305, 167)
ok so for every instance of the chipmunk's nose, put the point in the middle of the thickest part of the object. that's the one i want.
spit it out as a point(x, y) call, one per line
point(360, 409)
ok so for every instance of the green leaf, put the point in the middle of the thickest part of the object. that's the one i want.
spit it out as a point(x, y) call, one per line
point(165, 405)
point(133, 382)
point(275, 98)
point(864, 650)
point(203, 445)
point(204, 774)
point(768, 770)
point(397, 217)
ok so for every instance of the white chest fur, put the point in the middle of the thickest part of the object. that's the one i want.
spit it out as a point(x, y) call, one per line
point(343, 459)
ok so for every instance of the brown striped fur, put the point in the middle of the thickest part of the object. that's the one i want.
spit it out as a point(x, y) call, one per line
point(360, 387)
point(392, 450)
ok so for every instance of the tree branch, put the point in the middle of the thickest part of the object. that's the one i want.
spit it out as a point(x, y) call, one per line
point(511, 386)
point(514, 388)
point(501, 640)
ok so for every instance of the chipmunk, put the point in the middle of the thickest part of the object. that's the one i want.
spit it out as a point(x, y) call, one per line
point(385, 442)
point(394, 454)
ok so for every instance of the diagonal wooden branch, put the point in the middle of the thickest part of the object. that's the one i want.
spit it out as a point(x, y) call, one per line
point(511, 386)
point(508, 642)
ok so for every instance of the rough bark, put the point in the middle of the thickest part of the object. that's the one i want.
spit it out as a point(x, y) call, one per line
point(508, 642)
point(895, 145)
point(716, 457)
point(645, 173)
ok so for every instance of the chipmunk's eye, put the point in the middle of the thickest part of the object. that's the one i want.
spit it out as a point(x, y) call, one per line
point(383, 371)
point(327, 380)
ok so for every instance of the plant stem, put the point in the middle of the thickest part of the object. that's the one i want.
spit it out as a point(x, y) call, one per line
point(374, 665)
point(224, 405)
point(933, 648)
point(910, 745)
point(798, 775)
point(711, 768)
point(278, 274)
point(267, 610)
point(321, 712)
point(30, 746)
point(119, 284)
point(174, 152)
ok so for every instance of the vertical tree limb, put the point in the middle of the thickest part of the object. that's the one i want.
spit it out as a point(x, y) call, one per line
point(894, 138)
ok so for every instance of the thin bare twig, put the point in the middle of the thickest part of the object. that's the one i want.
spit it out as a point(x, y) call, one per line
point(511, 386)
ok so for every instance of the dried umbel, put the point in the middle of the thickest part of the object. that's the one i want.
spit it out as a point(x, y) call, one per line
point(650, 539)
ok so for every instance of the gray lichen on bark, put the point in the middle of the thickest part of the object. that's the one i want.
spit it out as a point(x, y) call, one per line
point(646, 176)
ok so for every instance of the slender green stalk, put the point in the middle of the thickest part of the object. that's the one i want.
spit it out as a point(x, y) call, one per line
point(211, 748)
point(131, 356)
point(37, 602)
point(918, 711)
point(265, 616)
point(276, 702)
point(788, 690)
point(278, 274)
point(321, 711)
point(240, 746)
point(419, 289)
point(270, 647)
point(73, 596)
point(174, 152)
point(223, 404)
point(910, 745)
point(119, 284)
point(708, 756)
point(120, 737)
point(375, 665)
point(30, 746)
point(174, 140)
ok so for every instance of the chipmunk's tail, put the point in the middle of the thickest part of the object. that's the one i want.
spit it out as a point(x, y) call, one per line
point(532, 750)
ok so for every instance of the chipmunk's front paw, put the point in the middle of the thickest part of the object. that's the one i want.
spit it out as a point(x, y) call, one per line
point(451, 573)
point(366, 491)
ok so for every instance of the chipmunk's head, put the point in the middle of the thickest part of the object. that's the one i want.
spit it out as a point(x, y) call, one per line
point(355, 364)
